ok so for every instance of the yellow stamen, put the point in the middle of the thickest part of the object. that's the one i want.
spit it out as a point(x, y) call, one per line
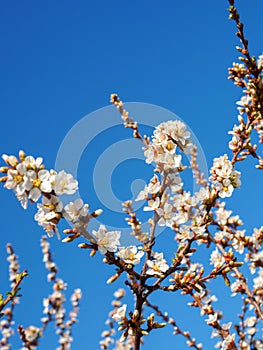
point(36, 183)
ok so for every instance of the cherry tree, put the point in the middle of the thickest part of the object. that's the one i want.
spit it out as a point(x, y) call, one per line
point(197, 221)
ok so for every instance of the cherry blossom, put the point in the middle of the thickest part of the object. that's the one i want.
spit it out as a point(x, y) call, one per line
point(157, 266)
point(153, 188)
point(260, 61)
point(64, 183)
point(168, 137)
point(106, 240)
point(212, 318)
point(153, 204)
point(74, 211)
point(120, 313)
point(130, 254)
point(224, 177)
point(216, 258)
point(166, 215)
point(49, 213)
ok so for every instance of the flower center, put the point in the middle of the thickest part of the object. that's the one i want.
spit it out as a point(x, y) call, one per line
point(36, 183)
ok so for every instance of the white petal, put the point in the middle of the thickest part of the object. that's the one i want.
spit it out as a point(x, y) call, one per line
point(34, 194)
point(43, 175)
point(46, 187)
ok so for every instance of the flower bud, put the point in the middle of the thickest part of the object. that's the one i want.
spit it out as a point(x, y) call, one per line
point(4, 169)
point(3, 179)
point(22, 155)
point(113, 278)
point(69, 239)
point(157, 325)
point(93, 252)
point(96, 213)
point(83, 246)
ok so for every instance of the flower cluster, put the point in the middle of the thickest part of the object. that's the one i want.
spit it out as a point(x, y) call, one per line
point(168, 137)
point(29, 179)
point(30, 337)
point(224, 177)
point(49, 213)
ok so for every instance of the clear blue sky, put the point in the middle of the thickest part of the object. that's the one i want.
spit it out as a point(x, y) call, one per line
point(60, 60)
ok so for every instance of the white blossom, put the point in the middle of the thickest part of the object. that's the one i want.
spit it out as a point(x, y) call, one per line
point(153, 204)
point(130, 254)
point(32, 333)
point(157, 266)
point(222, 215)
point(224, 177)
point(35, 183)
point(229, 340)
point(212, 318)
point(168, 137)
point(120, 313)
point(64, 183)
point(48, 213)
point(185, 233)
point(106, 241)
point(258, 281)
point(166, 215)
point(153, 188)
point(244, 103)
point(73, 211)
point(260, 61)
point(216, 258)
point(236, 287)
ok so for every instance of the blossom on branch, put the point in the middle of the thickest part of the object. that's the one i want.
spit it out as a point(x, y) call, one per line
point(130, 254)
point(224, 177)
point(74, 211)
point(168, 137)
point(106, 240)
point(157, 266)
point(120, 313)
point(49, 214)
point(216, 259)
point(64, 183)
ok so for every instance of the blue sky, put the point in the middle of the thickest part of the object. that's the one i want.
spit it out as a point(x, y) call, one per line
point(60, 60)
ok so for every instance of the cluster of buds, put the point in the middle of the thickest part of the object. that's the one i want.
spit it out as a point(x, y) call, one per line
point(128, 122)
point(7, 313)
point(54, 304)
point(108, 335)
point(237, 73)
point(187, 281)
point(133, 221)
point(6, 328)
point(248, 76)
point(131, 325)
